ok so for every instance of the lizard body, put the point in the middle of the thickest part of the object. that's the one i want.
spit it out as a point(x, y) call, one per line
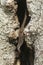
point(21, 35)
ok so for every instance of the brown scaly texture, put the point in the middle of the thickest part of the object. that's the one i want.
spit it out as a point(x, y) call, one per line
point(21, 35)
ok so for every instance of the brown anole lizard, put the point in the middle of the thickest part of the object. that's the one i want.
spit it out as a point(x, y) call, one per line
point(21, 35)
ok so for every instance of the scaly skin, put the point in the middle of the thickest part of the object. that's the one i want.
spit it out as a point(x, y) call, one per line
point(21, 35)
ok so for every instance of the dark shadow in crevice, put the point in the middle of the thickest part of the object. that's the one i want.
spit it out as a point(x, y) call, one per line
point(22, 8)
point(27, 55)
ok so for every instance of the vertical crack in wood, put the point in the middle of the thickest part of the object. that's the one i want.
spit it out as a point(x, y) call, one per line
point(23, 54)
